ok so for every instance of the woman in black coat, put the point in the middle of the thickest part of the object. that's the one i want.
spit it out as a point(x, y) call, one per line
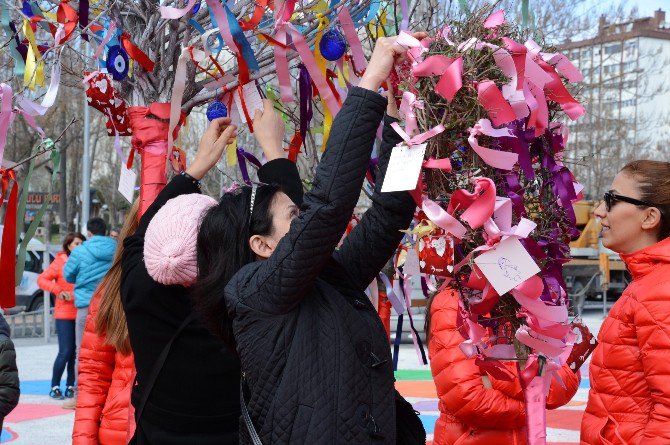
point(315, 357)
point(9, 374)
point(190, 395)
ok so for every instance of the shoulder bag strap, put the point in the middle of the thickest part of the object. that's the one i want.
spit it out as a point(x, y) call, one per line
point(155, 371)
point(247, 418)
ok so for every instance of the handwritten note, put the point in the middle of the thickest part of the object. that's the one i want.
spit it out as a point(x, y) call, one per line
point(252, 100)
point(404, 168)
point(507, 265)
point(127, 182)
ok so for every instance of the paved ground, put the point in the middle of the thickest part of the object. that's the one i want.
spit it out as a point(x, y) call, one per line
point(38, 420)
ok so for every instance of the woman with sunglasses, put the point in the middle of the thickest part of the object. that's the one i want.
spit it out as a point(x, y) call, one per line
point(629, 400)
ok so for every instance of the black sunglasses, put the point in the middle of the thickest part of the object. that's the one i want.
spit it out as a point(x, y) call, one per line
point(611, 199)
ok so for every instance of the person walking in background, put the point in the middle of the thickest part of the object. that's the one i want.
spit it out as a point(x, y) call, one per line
point(629, 399)
point(9, 374)
point(114, 233)
point(85, 268)
point(65, 313)
point(476, 409)
point(106, 365)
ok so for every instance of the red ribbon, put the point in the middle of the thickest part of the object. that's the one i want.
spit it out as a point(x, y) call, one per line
point(248, 25)
point(137, 54)
point(294, 147)
point(8, 250)
point(67, 16)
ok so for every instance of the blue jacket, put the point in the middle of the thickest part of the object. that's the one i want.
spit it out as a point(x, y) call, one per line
point(87, 265)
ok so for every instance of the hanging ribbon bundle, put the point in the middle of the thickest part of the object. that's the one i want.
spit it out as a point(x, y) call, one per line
point(509, 153)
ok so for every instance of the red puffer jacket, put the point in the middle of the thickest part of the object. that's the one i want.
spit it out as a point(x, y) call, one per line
point(52, 280)
point(104, 415)
point(472, 413)
point(629, 400)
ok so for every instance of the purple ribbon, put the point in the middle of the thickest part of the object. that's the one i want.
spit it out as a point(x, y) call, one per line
point(305, 92)
point(83, 17)
point(242, 158)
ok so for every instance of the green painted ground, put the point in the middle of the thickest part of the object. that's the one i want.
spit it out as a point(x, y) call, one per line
point(413, 375)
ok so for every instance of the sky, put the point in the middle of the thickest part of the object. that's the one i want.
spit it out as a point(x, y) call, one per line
point(647, 7)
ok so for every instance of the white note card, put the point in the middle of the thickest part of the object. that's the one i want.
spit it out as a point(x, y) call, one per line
point(252, 100)
point(127, 183)
point(507, 265)
point(404, 168)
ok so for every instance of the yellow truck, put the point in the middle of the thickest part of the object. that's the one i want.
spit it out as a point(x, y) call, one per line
point(595, 276)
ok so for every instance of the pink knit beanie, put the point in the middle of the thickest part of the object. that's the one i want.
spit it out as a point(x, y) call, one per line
point(170, 241)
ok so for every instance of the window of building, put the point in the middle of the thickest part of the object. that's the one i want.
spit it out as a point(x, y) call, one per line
point(613, 49)
point(586, 53)
point(629, 102)
point(629, 66)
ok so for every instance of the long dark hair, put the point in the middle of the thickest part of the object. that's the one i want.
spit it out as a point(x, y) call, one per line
point(223, 249)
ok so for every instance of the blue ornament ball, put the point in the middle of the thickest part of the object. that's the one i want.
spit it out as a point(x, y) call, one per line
point(117, 62)
point(216, 110)
point(332, 45)
point(196, 8)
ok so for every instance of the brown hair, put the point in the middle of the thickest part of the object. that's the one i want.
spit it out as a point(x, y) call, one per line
point(111, 320)
point(654, 184)
point(68, 240)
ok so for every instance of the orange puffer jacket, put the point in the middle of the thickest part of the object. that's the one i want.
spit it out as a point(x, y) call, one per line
point(629, 400)
point(104, 415)
point(52, 280)
point(470, 412)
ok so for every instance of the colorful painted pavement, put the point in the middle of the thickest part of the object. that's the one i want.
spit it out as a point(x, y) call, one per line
point(562, 424)
point(39, 420)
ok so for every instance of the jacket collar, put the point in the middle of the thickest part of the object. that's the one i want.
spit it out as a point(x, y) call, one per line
point(643, 261)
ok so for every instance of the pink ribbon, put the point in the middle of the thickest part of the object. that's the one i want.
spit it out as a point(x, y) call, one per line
point(494, 103)
point(169, 12)
point(478, 205)
point(432, 66)
point(178, 88)
point(108, 36)
point(498, 159)
point(419, 138)
point(494, 20)
point(451, 81)
point(6, 117)
point(281, 64)
point(407, 105)
point(222, 20)
point(535, 390)
point(439, 164)
point(352, 37)
point(443, 219)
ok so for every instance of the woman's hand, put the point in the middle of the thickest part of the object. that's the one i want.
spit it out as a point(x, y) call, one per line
point(385, 55)
point(216, 138)
point(269, 131)
point(65, 295)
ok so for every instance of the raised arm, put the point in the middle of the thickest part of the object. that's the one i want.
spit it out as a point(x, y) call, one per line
point(368, 247)
point(281, 281)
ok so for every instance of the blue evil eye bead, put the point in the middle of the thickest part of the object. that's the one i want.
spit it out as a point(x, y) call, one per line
point(117, 62)
point(332, 45)
point(216, 110)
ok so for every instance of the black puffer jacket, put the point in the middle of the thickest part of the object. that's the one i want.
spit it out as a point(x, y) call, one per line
point(313, 349)
point(9, 374)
